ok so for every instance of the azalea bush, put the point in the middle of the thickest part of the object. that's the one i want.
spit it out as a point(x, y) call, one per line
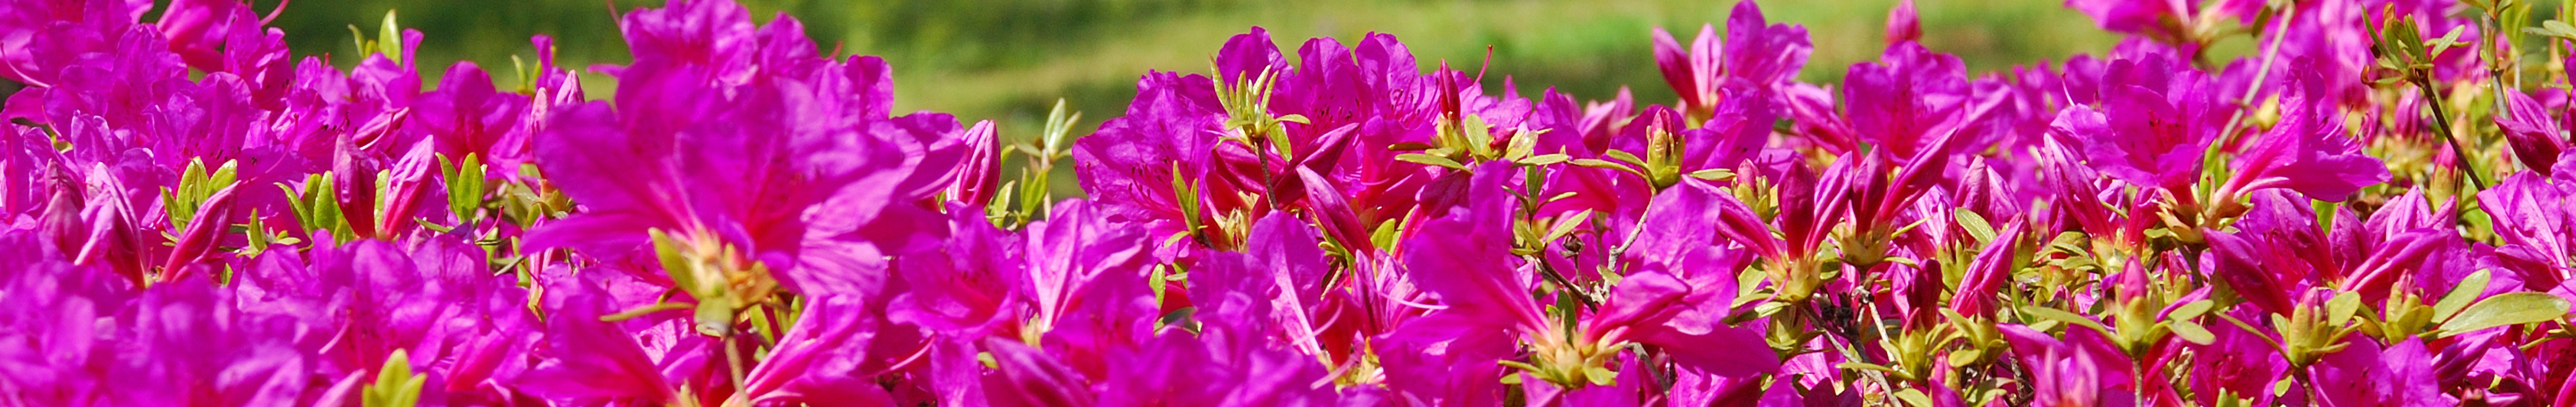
point(2367, 208)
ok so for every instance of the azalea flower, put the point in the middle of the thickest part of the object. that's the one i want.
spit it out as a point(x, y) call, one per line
point(1755, 53)
point(187, 204)
point(1675, 303)
point(808, 134)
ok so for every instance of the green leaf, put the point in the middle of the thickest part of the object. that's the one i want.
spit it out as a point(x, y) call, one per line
point(1976, 225)
point(1713, 174)
point(2514, 308)
point(2540, 32)
point(1059, 125)
point(464, 187)
point(1587, 162)
point(669, 250)
point(1914, 397)
point(1544, 159)
point(1625, 156)
point(2191, 331)
point(648, 309)
point(1427, 159)
point(2325, 214)
point(396, 385)
point(2064, 316)
point(1385, 234)
point(1188, 198)
point(1480, 136)
point(2341, 308)
point(1155, 283)
point(1867, 366)
point(259, 237)
point(1522, 145)
point(1281, 146)
point(176, 202)
point(1560, 196)
point(317, 207)
point(2192, 310)
point(2075, 243)
point(389, 38)
point(1600, 376)
point(715, 316)
point(2448, 40)
point(1965, 357)
point(1566, 226)
point(2553, 28)
point(2461, 295)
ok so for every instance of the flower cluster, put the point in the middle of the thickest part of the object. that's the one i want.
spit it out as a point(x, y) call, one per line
point(2357, 212)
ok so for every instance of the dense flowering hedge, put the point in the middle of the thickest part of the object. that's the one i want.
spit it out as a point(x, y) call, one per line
point(2370, 208)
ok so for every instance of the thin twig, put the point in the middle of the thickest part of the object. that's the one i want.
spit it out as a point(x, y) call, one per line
point(2442, 123)
point(1545, 270)
point(2245, 103)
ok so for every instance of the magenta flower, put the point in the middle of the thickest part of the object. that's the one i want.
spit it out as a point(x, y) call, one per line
point(1217, 367)
point(2539, 235)
point(1027, 377)
point(2164, 20)
point(368, 299)
point(1755, 53)
point(54, 354)
point(2537, 139)
point(980, 173)
point(1274, 292)
point(2279, 252)
point(2274, 257)
point(39, 38)
point(2083, 369)
point(2154, 124)
point(466, 115)
point(1677, 303)
point(1980, 285)
point(1349, 226)
point(824, 358)
point(1088, 281)
point(949, 294)
point(807, 134)
point(225, 36)
point(2308, 152)
point(2239, 363)
point(2365, 374)
point(2127, 16)
point(1375, 84)
point(1902, 23)
point(1910, 99)
point(589, 360)
point(1170, 130)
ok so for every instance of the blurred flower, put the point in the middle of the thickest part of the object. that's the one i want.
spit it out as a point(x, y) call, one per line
point(1755, 53)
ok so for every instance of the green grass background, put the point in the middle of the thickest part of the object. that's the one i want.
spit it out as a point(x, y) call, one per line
point(1009, 60)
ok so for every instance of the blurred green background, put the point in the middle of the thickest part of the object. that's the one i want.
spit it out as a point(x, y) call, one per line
point(1009, 60)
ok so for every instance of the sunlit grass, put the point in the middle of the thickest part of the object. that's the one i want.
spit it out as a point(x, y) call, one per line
point(1010, 59)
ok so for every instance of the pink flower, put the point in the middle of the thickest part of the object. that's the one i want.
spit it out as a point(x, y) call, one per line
point(2309, 152)
point(1755, 53)
point(715, 159)
point(2537, 139)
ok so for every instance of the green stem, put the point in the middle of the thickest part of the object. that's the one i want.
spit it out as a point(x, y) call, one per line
point(2442, 124)
point(733, 358)
point(1552, 276)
